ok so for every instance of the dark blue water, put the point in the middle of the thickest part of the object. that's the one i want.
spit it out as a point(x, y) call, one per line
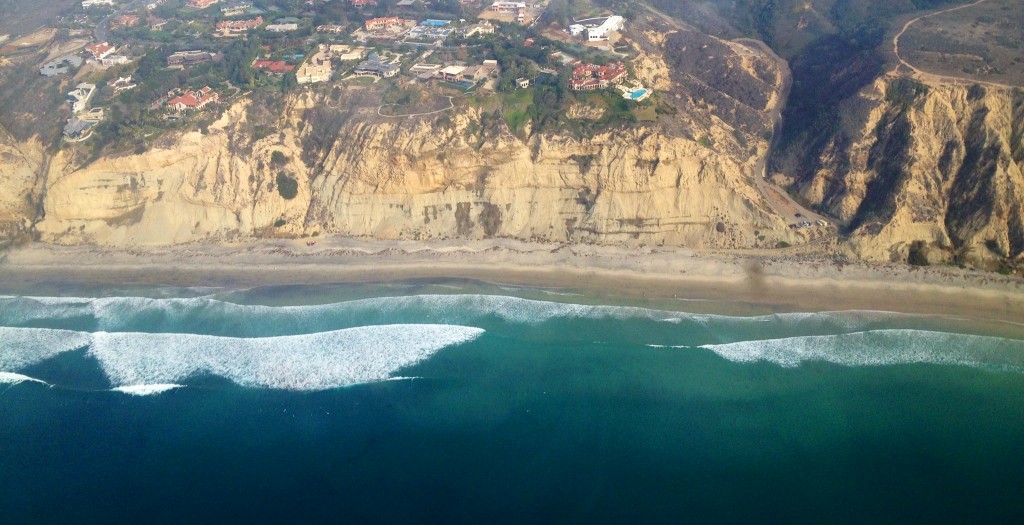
point(553, 413)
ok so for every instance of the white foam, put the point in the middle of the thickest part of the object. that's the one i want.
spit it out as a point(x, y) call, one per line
point(11, 378)
point(880, 347)
point(115, 314)
point(301, 362)
point(23, 347)
point(146, 390)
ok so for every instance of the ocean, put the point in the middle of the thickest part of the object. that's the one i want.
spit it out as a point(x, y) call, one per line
point(452, 401)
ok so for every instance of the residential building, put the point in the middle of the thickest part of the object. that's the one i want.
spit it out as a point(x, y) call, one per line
point(282, 28)
point(193, 100)
point(274, 67)
point(125, 21)
point(344, 53)
point(114, 60)
point(80, 127)
point(201, 4)
point(591, 77)
point(379, 24)
point(123, 84)
point(507, 7)
point(93, 3)
point(363, 3)
point(237, 26)
point(238, 8)
point(483, 28)
point(595, 32)
point(330, 28)
point(188, 58)
point(79, 97)
point(60, 66)
point(100, 50)
point(316, 69)
point(452, 73)
point(373, 66)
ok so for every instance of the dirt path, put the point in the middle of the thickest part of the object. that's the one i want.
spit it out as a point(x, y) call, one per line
point(932, 78)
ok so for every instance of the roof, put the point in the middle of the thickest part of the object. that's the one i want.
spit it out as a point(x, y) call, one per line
point(453, 70)
point(273, 66)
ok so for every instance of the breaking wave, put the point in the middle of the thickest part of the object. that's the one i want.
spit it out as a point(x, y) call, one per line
point(299, 362)
point(881, 347)
point(211, 316)
point(139, 363)
point(146, 390)
point(22, 347)
point(10, 378)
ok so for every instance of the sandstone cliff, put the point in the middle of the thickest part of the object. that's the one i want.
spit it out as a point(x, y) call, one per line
point(933, 169)
point(332, 164)
point(409, 178)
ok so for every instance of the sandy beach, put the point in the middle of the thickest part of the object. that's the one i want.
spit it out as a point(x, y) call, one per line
point(781, 283)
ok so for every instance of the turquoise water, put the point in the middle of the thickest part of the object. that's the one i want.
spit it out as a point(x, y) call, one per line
point(465, 402)
point(637, 94)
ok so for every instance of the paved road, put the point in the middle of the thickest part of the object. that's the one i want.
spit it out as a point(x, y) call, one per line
point(100, 32)
point(931, 77)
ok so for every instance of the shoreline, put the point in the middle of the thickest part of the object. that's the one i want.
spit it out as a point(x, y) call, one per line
point(779, 282)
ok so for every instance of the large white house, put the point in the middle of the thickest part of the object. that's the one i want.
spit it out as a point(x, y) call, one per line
point(79, 97)
point(92, 3)
point(598, 32)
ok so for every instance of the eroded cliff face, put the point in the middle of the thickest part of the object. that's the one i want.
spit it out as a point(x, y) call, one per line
point(933, 169)
point(410, 179)
point(20, 185)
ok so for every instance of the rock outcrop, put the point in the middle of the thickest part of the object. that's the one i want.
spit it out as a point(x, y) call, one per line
point(930, 169)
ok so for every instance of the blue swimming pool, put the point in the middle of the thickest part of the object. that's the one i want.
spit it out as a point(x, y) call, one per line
point(638, 94)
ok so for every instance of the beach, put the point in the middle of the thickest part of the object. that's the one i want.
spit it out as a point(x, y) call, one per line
point(780, 283)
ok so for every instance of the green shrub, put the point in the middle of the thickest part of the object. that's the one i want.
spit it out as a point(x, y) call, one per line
point(287, 187)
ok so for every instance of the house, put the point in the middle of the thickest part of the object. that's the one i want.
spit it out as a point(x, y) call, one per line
point(346, 53)
point(274, 67)
point(331, 28)
point(79, 127)
point(201, 4)
point(100, 50)
point(522, 83)
point(235, 9)
point(86, 4)
point(597, 32)
point(114, 60)
point(123, 84)
point(238, 26)
point(452, 73)
point(483, 28)
point(125, 21)
point(507, 7)
point(373, 66)
point(188, 58)
point(60, 66)
point(591, 77)
point(363, 3)
point(79, 97)
point(379, 24)
point(190, 100)
point(282, 28)
point(316, 69)
point(157, 24)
